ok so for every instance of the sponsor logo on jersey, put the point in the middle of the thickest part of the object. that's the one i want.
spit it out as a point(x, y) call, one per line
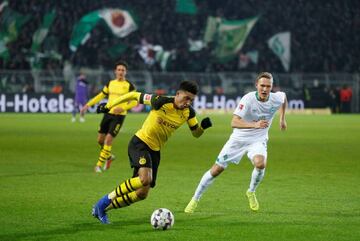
point(166, 123)
point(241, 106)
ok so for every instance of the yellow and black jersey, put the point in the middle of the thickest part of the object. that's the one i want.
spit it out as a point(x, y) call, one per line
point(163, 120)
point(112, 90)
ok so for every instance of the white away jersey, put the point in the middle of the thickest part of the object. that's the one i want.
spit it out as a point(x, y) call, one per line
point(251, 109)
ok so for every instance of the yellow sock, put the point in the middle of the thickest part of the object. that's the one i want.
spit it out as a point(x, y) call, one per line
point(124, 201)
point(128, 186)
point(105, 153)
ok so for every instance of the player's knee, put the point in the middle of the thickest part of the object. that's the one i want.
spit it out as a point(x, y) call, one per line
point(259, 162)
point(145, 175)
point(145, 180)
point(260, 165)
point(142, 193)
point(216, 170)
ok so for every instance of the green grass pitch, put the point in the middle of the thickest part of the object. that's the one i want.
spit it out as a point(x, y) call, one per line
point(310, 190)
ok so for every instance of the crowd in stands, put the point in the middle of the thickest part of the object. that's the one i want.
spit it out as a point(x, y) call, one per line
point(325, 35)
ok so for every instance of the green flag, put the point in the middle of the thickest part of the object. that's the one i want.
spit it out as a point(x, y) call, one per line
point(186, 6)
point(115, 51)
point(81, 31)
point(42, 31)
point(163, 58)
point(10, 26)
point(280, 45)
point(231, 36)
point(211, 27)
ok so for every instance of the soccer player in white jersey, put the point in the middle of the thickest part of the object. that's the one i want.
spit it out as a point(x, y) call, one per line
point(251, 122)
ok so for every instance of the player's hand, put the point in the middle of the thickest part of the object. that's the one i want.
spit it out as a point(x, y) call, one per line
point(84, 109)
point(118, 110)
point(102, 108)
point(283, 125)
point(261, 124)
point(206, 123)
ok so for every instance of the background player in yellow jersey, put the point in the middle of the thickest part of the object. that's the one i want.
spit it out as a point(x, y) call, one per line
point(166, 116)
point(113, 120)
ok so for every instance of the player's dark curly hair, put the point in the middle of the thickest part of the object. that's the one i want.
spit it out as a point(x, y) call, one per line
point(189, 86)
point(121, 62)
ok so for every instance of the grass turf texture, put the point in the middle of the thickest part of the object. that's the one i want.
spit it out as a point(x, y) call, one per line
point(310, 190)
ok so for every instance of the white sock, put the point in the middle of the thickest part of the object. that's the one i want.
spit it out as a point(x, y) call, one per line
point(205, 181)
point(256, 177)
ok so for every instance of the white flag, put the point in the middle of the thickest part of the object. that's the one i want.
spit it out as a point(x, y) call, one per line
point(280, 45)
point(253, 56)
point(119, 21)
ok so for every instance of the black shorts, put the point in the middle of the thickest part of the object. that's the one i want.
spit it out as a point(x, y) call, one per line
point(140, 155)
point(111, 124)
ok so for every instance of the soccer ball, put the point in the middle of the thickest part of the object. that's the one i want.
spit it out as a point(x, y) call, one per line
point(162, 218)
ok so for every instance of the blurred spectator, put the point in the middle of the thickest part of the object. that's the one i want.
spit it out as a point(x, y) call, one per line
point(334, 99)
point(345, 99)
point(306, 96)
point(28, 88)
point(57, 89)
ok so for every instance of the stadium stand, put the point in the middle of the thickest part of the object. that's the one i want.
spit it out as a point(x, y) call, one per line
point(324, 34)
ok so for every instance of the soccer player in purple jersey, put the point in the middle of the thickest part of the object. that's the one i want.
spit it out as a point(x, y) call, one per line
point(81, 97)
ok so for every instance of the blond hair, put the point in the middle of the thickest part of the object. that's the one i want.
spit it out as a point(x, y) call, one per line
point(266, 75)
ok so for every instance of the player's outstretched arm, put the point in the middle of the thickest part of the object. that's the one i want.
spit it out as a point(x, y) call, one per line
point(238, 122)
point(127, 97)
point(96, 99)
point(127, 106)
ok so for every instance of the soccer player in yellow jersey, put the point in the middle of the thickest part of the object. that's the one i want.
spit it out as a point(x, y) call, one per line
point(166, 116)
point(114, 119)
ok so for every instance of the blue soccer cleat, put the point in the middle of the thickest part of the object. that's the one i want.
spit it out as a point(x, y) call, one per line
point(98, 210)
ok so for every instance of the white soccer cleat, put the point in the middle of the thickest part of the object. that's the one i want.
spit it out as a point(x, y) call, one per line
point(108, 162)
point(98, 169)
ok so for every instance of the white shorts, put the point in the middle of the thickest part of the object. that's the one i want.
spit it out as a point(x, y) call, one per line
point(234, 150)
